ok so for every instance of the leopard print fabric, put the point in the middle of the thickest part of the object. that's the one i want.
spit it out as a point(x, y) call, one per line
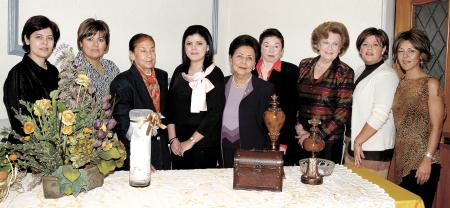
point(412, 123)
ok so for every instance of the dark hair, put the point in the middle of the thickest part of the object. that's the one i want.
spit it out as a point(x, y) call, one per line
point(137, 39)
point(379, 34)
point(418, 39)
point(244, 40)
point(321, 32)
point(271, 32)
point(202, 31)
point(36, 23)
point(90, 27)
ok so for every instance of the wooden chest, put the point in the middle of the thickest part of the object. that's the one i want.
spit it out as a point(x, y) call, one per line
point(258, 170)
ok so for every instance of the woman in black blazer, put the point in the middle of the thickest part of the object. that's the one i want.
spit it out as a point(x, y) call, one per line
point(283, 76)
point(247, 97)
point(142, 87)
point(196, 99)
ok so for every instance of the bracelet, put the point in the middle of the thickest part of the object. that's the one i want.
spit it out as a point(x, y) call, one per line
point(429, 155)
point(193, 140)
point(172, 140)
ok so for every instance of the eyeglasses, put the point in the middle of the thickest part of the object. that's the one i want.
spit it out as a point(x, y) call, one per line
point(408, 52)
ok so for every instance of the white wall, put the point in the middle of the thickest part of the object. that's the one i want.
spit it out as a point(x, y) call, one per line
point(166, 21)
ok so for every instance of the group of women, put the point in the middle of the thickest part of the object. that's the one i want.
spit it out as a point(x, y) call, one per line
point(395, 122)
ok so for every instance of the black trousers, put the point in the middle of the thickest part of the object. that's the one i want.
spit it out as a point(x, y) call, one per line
point(196, 158)
point(228, 151)
point(427, 190)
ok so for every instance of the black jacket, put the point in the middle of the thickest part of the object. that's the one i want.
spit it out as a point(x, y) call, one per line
point(29, 82)
point(207, 123)
point(129, 92)
point(285, 84)
point(252, 130)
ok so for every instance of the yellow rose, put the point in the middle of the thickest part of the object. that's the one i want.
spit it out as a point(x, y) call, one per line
point(28, 127)
point(13, 157)
point(26, 138)
point(68, 117)
point(43, 105)
point(83, 80)
point(67, 130)
point(87, 130)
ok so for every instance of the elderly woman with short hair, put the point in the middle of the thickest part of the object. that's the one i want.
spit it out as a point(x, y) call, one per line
point(325, 87)
point(247, 97)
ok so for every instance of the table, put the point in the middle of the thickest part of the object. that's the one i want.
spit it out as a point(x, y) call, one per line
point(403, 198)
point(213, 188)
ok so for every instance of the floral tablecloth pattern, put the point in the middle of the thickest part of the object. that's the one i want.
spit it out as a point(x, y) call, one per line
point(214, 188)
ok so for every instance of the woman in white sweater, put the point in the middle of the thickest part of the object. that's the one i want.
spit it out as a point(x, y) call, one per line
point(372, 124)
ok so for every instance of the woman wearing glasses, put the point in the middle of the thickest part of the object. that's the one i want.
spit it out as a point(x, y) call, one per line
point(418, 114)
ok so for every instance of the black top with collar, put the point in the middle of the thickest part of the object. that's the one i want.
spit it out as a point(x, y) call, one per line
point(29, 82)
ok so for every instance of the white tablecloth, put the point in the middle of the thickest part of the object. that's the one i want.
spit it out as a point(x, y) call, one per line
point(214, 188)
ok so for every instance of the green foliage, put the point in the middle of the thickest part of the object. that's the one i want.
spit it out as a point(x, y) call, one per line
point(106, 166)
point(71, 181)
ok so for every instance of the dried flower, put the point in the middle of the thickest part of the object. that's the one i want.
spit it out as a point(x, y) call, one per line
point(28, 127)
point(97, 143)
point(103, 126)
point(13, 157)
point(87, 131)
point(108, 113)
point(83, 80)
point(68, 117)
point(111, 124)
point(41, 106)
point(106, 145)
point(26, 138)
point(97, 123)
point(106, 105)
point(67, 130)
point(101, 134)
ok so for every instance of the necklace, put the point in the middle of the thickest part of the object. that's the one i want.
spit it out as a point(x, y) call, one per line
point(238, 85)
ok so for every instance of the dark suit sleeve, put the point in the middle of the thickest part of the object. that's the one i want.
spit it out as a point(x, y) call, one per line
point(121, 92)
point(170, 115)
point(12, 93)
point(289, 104)
point(215, 101)
point(164, 92)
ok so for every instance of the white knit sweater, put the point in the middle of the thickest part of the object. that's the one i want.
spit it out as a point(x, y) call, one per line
point(372, 102)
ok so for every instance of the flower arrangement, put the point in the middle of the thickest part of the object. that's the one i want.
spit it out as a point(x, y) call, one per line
point(69, 132)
